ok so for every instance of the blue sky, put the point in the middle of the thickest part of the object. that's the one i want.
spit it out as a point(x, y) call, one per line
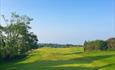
point(66, 21)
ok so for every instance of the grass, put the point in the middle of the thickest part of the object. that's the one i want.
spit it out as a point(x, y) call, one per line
point(63, 59)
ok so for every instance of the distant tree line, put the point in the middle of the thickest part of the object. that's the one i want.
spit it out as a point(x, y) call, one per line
point(99, 45)
point(51, 45)
point(15, 37)
point(94, 45)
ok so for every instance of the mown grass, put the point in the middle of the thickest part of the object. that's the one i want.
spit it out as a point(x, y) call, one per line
point(63, 59)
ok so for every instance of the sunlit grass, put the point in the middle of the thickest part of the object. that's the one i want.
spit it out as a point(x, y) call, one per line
point(63, 59)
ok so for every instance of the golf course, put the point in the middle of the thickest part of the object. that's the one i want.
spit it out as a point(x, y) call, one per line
point(73, 58)
point(57, 34)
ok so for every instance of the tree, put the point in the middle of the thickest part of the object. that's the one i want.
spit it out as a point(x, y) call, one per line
point(15, 37)
point(111, 43)
point(95, 45)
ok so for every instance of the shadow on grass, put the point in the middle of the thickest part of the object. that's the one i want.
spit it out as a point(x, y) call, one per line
point(92, 58)
point(51, 65)
point(79, 52)
point(108, 65)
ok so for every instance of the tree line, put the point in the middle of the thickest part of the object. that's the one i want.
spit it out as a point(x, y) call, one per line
point(100, 45)
point(15, 37)
point(93, 45)
point(51, 45)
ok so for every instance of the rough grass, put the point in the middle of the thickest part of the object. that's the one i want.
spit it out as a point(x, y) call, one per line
point(63, 59)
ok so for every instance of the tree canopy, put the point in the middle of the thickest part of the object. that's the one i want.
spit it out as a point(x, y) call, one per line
point(100, 45)
point(15, 37)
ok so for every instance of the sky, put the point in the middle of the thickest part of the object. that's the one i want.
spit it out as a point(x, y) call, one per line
point(66, 21)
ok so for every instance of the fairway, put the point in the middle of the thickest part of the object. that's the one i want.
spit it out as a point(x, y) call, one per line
point(63, 59)
point(57, 34)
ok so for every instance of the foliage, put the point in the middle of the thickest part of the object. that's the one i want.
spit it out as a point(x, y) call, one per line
point(15, 38)
point(95, 45)
point(40, 45)
point(111, 43)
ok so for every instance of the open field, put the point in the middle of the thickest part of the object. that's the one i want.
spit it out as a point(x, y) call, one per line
point(63, 59)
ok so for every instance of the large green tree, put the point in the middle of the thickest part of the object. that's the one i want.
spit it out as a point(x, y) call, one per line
point(15, 37)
